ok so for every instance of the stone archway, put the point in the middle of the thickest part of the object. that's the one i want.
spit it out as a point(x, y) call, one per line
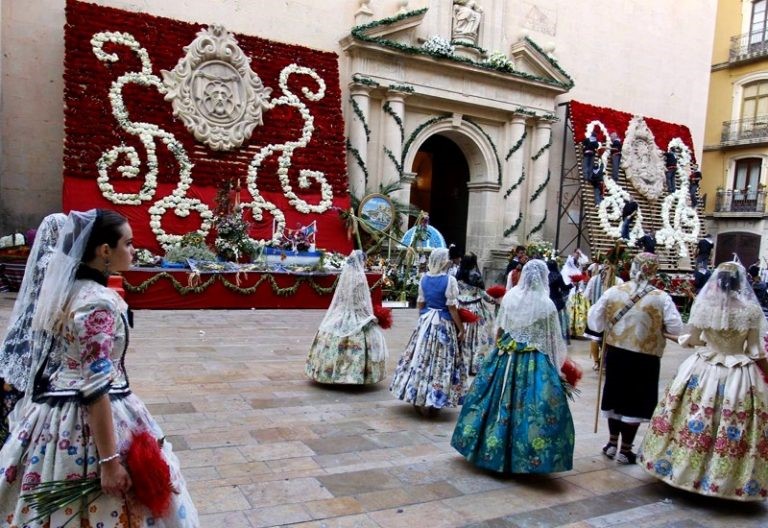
point(483, 168)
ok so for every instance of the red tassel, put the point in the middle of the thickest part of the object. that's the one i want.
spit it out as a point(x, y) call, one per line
point(384, 315)
point(496, 291)
point(572, 372)
point(150, 474)
point(467, 316)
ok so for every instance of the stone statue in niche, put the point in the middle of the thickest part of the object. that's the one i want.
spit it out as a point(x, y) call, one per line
point(214, 91)
point(466, 21)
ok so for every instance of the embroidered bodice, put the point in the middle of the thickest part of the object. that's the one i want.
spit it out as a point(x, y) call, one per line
point(95, 338)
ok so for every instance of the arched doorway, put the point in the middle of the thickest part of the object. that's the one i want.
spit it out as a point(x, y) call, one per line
point(744, 245)
point(440, 187)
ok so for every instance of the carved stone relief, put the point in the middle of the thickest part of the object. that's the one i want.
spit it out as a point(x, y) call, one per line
point(642, 160)
point(214, 91)
point(467, 16)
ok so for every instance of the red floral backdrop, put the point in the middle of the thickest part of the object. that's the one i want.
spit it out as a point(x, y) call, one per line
point(614, 120)
point(91, 129)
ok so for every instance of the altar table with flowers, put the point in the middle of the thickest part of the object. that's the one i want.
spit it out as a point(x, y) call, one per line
point(163, 289)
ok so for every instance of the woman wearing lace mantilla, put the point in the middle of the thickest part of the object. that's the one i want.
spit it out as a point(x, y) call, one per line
point(709, 433)
point(515, 418)
point(83, 417)
point(349, 346)
point(478, 335)
point(19, 348)
point(432, 372)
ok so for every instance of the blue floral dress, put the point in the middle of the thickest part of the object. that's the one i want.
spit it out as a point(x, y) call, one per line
point(432, 372)
point(515, 418)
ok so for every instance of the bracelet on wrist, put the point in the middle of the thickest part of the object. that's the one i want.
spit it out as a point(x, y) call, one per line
point(109, 458)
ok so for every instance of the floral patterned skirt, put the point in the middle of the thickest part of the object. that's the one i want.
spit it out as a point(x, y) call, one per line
point(478, 336)
point(52, 442)
point(515, 418)
point(432, 372)
point(578, 306)
point(348, 360)
point(709, 434)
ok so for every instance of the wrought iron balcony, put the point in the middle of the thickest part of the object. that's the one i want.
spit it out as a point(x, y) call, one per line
point(751, 130)
point(748, 46)
point(738, 201)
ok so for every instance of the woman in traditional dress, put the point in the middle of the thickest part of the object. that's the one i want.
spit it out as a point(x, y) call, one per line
point(19, 350)
point(577, 307)
point(478, 335)
point(635, 318)
point(709, 433)
point(349, 346)
point(515, 418)
point(82, 418)
point(432, 372)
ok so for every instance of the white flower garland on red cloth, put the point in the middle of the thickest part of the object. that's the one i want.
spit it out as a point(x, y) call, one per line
point(178, 200)
point(683, 227)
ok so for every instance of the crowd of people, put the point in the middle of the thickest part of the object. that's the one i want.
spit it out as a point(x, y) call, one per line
point(69, 413)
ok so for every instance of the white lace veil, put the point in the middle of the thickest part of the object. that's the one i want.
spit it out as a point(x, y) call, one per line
point(438, 261)
point(528, 315)
point(18, 346)
point(60, 277)
point(351, 309)
point(727, 302)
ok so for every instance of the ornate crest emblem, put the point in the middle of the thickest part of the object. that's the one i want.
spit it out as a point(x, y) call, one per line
point(642, 160)
point(214, 91)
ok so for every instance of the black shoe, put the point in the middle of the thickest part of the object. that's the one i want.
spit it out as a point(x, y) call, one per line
point(626, 458)
point(610, 450)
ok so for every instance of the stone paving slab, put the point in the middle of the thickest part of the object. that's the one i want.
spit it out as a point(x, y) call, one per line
point(260, 446)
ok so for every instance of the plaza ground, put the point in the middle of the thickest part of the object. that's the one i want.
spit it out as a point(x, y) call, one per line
point(261, 446)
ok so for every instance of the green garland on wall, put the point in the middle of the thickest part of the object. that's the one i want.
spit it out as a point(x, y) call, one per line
point(493, 146)
point(398, 165)
point(516, 146)
point(541, 187)
point(542, 150)
point(365, 81)
point(539, 226)
point(250, 290)
point(511, 229)
point(515, 185)
point(358, 32)
point(406, 88)
point(359, 113)
point(429, 122)
point(388, 110)
point(359, 159)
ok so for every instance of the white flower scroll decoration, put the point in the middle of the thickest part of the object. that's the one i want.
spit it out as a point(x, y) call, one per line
point(610, 208)
point(682, 227)
point(148, 134)
point(259, 204)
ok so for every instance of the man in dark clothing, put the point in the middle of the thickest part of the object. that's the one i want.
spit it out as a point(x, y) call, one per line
point(693, 184)
point(589, 146)
point(558, 293)
point(670, 162)
point(518, 258)
point(647, 243)
point(700, 277)
point(615, 155)
point(628, 217)
point(704, 251)
point(759, 287)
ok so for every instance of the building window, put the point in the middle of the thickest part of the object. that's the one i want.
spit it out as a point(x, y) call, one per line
point(747, 175)
point(757, 26)
point(754, 102)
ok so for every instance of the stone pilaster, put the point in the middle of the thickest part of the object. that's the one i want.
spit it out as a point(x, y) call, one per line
point(537, 208)
point(513, 168)
point(357, 154)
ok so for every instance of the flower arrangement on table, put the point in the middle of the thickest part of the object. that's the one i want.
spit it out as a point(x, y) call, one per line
point(540, 248)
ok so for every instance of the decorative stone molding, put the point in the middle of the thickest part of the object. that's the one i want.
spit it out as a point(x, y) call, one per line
point(642, 160)
point(214, 91)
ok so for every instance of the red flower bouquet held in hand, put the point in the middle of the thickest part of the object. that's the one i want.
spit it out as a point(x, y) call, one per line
point(383, 315)
point(496, 291)
point(467, 316)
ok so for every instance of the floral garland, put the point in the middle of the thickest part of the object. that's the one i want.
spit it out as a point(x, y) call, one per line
point(250, 290)
point(516, 146)
point(539, 226)
point(387, 108)
point(499, 61)
point(685, 227)
point(366, 81)
point(429, 122)
point(398, 165)
point(493, 146)
point(406, 88)
point(516, 184)
point(511, 229)
point(359, 33)
point(437, 45)
point(543, 149)
point(358, 159)
point(541, 187)
point(147, 133)
point(359, 113)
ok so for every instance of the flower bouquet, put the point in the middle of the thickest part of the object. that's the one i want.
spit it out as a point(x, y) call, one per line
point(496, 291)
point(383, 316)
point(150, 475)
point(467, 316)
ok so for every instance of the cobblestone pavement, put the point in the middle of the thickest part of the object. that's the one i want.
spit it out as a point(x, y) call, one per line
point(261, 446)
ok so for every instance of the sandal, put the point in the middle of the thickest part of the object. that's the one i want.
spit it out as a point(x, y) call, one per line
point(610, 449)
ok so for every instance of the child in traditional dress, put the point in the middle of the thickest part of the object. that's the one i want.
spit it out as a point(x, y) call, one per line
point(432, 372)
point(349, 346)
point(515, 418)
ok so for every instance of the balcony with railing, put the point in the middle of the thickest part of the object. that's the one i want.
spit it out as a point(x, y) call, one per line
point(749, 46)
point(740, 202)
point(745, 131)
